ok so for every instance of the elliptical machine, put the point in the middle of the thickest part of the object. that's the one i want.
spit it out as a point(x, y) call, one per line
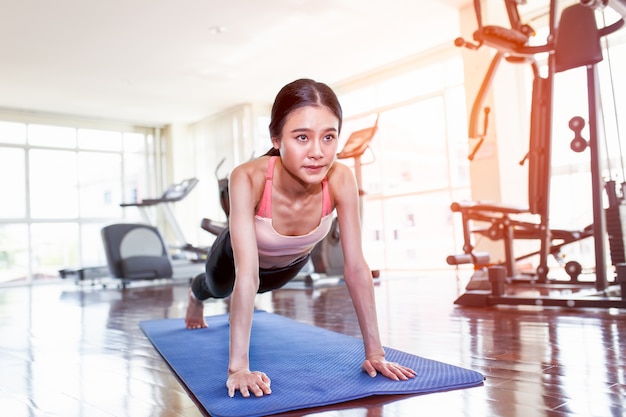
point(212, 226)
point(327, 255)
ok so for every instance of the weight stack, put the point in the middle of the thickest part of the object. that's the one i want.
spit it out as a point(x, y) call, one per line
point(615, 231)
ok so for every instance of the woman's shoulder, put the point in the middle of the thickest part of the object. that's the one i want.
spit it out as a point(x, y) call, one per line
point(341, 181)
point(252, 171)
point(339, 173)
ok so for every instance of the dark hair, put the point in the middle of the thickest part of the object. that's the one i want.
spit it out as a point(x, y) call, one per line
point(301, 93)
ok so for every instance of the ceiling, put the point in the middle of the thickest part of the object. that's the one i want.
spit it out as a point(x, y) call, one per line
point(158, 62)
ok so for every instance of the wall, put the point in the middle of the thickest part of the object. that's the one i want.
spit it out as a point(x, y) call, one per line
point(233, 136)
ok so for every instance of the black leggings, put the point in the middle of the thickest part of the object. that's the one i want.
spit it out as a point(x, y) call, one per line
point(218, 279)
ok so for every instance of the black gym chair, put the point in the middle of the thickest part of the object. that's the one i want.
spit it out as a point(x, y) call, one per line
point(136, 252)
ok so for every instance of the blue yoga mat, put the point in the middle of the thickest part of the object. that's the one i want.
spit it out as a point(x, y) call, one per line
point(309, 366)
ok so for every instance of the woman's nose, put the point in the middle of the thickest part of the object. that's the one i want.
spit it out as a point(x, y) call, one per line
point(315, 151)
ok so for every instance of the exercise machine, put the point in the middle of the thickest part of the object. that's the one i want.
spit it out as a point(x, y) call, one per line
point(212, 226)
point(327, 256)
point(576, 43)
point(173, 194)
point(101, 273)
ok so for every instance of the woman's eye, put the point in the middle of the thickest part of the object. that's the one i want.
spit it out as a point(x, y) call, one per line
point(329, 138)
point(301, 138)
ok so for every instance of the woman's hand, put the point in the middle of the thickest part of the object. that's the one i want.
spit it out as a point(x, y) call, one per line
point(391, 370)
point(247, 382)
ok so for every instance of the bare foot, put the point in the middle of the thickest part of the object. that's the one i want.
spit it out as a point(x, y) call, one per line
point(195, 313)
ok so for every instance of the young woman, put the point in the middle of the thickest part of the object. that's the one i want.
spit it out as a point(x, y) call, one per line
point(281, 205)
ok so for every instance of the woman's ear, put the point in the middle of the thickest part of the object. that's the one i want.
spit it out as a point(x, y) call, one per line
point(275, 143)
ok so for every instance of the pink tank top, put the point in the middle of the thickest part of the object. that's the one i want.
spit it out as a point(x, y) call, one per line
point(276, 250)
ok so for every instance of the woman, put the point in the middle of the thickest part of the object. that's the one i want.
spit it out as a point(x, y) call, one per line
point(281, 205)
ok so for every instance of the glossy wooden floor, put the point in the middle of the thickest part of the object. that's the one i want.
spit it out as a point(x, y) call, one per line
point(78, 351)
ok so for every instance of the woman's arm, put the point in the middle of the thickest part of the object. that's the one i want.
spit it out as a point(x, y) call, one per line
point(357, 274)
point(245, 252)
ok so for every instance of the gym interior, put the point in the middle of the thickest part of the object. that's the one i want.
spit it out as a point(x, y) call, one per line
point(486, 139)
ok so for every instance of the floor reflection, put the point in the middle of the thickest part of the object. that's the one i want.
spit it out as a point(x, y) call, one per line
point(75, 351)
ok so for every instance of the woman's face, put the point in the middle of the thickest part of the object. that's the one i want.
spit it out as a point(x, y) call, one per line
point(308, 146)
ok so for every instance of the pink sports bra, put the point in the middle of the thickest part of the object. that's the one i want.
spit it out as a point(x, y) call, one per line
point(276, 250)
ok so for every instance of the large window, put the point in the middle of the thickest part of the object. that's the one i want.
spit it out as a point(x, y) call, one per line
point(61, 184)
point(416, 164)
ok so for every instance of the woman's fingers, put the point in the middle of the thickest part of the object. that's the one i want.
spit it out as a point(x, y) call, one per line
point(391, 370)
point(247, 383)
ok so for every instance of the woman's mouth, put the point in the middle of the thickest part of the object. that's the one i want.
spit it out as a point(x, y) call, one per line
point(314, 168)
